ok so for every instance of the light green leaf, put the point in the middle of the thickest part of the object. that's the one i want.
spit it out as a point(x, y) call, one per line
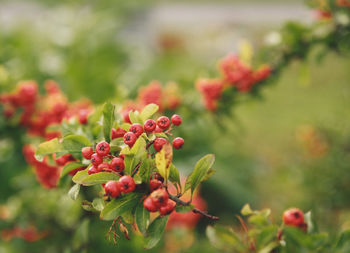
point(49, 147)
point(155, 231)
point(142, 217)
point(83, 178)
point(246, 210)
point(135, 117)
point(74, 191)
point(69, 167)
point(98, 204)
point(108, 120)
point(135, 155)
point(74, 143)
point(148, 111)
point(174, 175)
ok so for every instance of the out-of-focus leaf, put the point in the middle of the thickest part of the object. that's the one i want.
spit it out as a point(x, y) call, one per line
point(69, 167)
point(246, 210)
point(225, 239)
point(155, 231)
point(74, 191)
point(49, 147)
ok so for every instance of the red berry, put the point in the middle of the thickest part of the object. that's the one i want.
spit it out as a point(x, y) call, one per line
point(178, 142)
point(96, 160)
point(102, 148)
point(122, 156)
point(73, 172)
point(112, 189)
point(149, 205)
point(156, 175)
point(118, 133)
point(150, 125)
point(176, 120)
point(117, 164)
point(83, 116)
point(61, 161)
point(87, 152)
point(163, 122)
point(126, 184)
point(293, 217)
point(154, 184)
point(168, 208)
point(129, 139)
point(103, 166)
point(93, 170)
point(159, 197)
point(158, 130)
point(159, 143)
point(136, 128)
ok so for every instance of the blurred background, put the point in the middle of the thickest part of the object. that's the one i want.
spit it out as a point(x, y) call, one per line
point(289, 148)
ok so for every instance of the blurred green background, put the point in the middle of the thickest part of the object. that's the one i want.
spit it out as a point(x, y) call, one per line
point(288, 148)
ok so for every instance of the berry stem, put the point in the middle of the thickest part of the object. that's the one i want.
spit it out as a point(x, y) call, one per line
point(136, 169)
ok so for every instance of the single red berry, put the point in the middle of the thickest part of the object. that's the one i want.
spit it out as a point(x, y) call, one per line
point(178, 142)
point(103, 166)
point(150, 125)
point(118, 133)
point(154, 184)
point(87, 152)
point(158, 130)
point(136, 128)
point(149, 205)
point(130, 139)
point(96, 160)
point(93, 170)
point(126, 184)
point(102, 148)
point(117, 164)
point(293, 217)
point(122, 156)
point(168, 208)
point(176, 120)
point(159, 143)
point(112, 189)
point(159, 197)
point(163, 122)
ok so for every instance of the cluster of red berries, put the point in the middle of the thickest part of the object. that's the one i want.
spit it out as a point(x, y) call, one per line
point(294, 217)
point(29, 234)
point(343, 3)
point(235, 74)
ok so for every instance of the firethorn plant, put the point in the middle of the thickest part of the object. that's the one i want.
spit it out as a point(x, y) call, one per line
point(132, 163)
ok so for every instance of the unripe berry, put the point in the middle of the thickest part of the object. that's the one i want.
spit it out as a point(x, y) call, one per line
point(102, 148)
point(159, 143)
point(178, 142)
point(159, 197)
point(293, 217)
point(96, 160)
point(87, 152)
point(112, 189)
point(163, 122)
point(150, 125)
point(136, 128)
point(154, 184)
point(103, 166)
point(126, 184)
point(129, 139)
point(118, 133)
point(176, 120)
point(149, 205)
point(93, 170)
point(117, 164)
point(168, 208)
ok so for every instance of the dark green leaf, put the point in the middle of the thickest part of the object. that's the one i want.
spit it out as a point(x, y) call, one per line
point(174, 175)
point(155, 231)
point(142, 218)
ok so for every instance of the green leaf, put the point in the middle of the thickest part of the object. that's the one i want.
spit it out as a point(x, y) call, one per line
point(135, 117)
point(164, 159)
point(48, 147)
point(135, 155)
point(118, 206)
point(148, 112)
point(69, 167)
point(98, 204)
point(74, 191)
point(225, 239)
point(81, 235)
point(142, 217)
point(74, 143)
point(87, 205)
point(246, 210)
point(108, 120)
point(138, 179)
point(174, 175)
point(83, 178)
point(145, 170)
point(155, 231)
point(184, 209)
point(200, 171)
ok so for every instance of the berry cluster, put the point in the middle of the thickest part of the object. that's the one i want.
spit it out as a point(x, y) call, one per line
point(159, 200)
point(294, 217)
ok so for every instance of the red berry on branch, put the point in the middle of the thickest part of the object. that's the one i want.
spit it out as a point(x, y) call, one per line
point(112, 189)
point(159, 143)
point(149, 205)
point(150, 125)
point(159, 197)
point(176, 120)
point(126, 184)
point(158, 130)
point(136, 128)
point(130, 139)
point(118, 133)
point(96, 160)
point(178, 142)
point(102, 148)
point(117, 164)
point(163, 122)
point(154, 184)
point(93, 170)
point(293, 217)
point(103, 167)
point(168, 208)
point(87, 152)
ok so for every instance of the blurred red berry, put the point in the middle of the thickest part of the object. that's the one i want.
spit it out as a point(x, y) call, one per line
point(159, 197)
point(159, 143)
point(112, 189)
point(163, 122)
point(178, 142)
point(126, 184)
point(293, 217)
point(149, 205)
point(130, 139)
point(136, 128)
point(103, 166)
point(87, 152)
point(117, 164)
point(96, 160)
point(93, 170)
point(118, 133)
point(176, 120)
point(150, 125)
point(168, 208)
point(154, 184)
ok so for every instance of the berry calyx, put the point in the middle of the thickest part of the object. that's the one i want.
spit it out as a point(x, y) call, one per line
point(149, 205)
point(103, 166)
point(118, 133)
point(176, 120)
point(159, 143)
point(126, 184)
point(129, 138)
point(178, 142)
point(136, 128)
point(112, 189)
point(87, 152)
point(293, 217)
point(93, 170)
point(150, 125)
point(163, 122)
point(102, 148)
point(96, 160)
point(117, 164)
point(159, 197)
point(154, 184)
point(168, 208)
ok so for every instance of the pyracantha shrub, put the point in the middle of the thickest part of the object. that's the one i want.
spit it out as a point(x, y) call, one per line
point(132, 165)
